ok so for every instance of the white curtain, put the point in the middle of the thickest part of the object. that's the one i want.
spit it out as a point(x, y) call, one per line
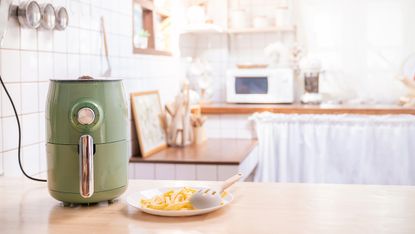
point(356, 149)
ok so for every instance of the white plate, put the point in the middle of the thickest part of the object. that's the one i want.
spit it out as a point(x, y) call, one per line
point(135, 198)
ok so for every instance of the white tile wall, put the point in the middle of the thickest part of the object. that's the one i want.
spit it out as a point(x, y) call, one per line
point(28, 39)
point(31, 159)
point(367, 64)
point(30, 129)
point(229, 126)
point(29, 58)
point(358, 44)
point(29, 66)
point(11, 166)
point(14, 90)
point(165, 171)
point(45, 40)
point(30, 103)
point(10, 65)
point(224, 52)
point(9, 133)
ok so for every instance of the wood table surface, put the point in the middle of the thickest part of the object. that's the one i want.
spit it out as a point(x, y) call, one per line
point(26, 207)
point(212, 151)
point(228, 108)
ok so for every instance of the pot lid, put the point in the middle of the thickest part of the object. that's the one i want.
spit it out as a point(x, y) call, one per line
point(86, 79)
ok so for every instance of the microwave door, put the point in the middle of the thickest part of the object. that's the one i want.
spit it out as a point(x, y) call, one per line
point(251, 85)
point(250, 89)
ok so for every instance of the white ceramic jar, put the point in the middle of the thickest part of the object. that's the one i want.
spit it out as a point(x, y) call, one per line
point(239, 19)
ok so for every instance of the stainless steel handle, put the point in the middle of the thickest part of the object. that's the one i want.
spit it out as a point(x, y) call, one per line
point(86, 166)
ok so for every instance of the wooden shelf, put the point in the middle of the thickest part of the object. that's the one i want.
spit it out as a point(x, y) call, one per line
point(203, 29)
point(151, 52)
point(211, 28)
point(247, 109)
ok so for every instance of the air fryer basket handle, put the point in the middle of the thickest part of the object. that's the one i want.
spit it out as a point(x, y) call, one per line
point(86, 166)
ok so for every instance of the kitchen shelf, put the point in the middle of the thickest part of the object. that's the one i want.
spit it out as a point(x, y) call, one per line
point(261, 30)
point(203, 29)
point(151, 51)
point(247, 109)
point(211, 28)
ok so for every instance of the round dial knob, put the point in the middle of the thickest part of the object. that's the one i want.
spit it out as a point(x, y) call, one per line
point(62, 17)
point(48, 16)
point(86, 116)
point(29, 14)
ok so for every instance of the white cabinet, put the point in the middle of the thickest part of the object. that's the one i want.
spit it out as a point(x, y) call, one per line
point(185, 172)
point(226, 171)
point(206, 172)
point(165, 171)
point(144, 171)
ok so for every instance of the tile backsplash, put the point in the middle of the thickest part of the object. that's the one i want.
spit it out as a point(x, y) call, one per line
point(29, 58)
point(360, 58)
point(230, 126)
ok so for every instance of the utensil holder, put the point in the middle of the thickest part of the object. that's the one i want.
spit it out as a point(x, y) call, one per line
point(199, 134)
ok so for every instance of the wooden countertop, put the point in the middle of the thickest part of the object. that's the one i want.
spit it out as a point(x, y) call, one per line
point(213, 151)
point(225, 108)
point(26, 207)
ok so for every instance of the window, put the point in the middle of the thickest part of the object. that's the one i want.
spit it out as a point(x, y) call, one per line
point(151, 28)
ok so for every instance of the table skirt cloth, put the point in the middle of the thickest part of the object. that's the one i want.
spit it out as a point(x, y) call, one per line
point(359, 149)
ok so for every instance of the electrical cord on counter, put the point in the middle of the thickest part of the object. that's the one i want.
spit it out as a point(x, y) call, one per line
point(20, 135)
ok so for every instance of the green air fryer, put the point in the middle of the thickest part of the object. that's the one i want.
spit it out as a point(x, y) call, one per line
point(86, 125)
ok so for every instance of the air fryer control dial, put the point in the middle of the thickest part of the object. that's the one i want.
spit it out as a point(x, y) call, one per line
point(86, 116)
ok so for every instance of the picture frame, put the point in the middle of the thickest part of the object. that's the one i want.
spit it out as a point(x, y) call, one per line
point(147, 115)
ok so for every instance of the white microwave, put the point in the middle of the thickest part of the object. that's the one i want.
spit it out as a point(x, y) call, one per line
point(268, 85)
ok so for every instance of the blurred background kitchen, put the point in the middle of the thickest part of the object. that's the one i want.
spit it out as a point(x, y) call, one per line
point(344, 113)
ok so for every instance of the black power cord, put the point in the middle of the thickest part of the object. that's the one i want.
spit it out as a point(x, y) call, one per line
point(20, 135)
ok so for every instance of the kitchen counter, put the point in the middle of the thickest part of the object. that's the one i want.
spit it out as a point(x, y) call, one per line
point(26, 207)
point(225, 108)
point(212, 151)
